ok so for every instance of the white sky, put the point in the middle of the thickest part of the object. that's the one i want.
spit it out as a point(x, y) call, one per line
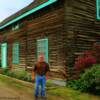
point(9, 7)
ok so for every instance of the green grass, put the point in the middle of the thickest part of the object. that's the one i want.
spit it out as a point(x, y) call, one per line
point(53, 91)
point(15, 83)
point(68, 93)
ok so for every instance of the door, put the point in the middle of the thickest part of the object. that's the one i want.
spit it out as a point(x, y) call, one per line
point(4, 55)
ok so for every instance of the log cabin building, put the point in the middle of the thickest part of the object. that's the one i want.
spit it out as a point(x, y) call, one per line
point(60, 29)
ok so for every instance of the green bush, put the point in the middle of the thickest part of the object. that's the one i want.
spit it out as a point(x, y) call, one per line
point(29, 78)
point(4, 70)
point(22, 75)
point(75, 84)
point(89, 81)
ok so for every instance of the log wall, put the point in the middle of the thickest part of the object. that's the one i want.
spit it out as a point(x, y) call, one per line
point(82, 27)
point(46, 23)
point(70, 26)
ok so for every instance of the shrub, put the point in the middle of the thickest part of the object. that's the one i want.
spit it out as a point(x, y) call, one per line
point(89, 81)
point(22, 75)
point(86, 60)
point(4, 71)
point(29, 78)
point(75, 84)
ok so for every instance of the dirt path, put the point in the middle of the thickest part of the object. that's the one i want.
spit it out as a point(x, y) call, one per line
point(13, 89)
point(11, 93)
point(8, 93)
point(15, 92)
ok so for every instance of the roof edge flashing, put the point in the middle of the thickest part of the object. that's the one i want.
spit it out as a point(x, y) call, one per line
point(28, 13)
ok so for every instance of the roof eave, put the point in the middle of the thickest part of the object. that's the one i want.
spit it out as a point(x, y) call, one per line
point(28, 13)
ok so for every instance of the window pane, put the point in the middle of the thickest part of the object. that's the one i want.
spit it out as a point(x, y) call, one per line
point(4, 55)
point(15, 53)
point(98, 9)
point(42, 47)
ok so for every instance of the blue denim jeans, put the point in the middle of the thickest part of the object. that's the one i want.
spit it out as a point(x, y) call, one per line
point(40, 81)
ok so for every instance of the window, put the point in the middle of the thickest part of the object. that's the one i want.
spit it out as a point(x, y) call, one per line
point(15, 27)
point(42, 47)
point(4, 55)
point(15, 53)
point(98, 9)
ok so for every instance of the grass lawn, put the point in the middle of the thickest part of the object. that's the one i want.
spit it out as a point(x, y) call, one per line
point(53, 91)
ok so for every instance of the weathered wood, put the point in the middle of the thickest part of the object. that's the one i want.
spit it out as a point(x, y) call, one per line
point(70, 26)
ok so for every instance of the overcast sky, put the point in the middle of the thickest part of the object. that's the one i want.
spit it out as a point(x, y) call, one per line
point(9, 7)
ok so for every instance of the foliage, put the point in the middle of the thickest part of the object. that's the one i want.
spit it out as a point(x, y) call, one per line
point(86, 60)
point(75, 84)
point(6, 71)
point(88, 57)
point(22, 75)
point(89, 81)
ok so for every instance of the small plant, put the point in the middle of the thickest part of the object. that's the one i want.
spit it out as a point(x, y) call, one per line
point(4, 70)
point(73, 84)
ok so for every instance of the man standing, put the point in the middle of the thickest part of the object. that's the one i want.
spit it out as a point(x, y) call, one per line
point(40, 75)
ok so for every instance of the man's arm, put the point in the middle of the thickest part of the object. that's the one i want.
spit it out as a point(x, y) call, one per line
point(33, 73)
point(48, 70)
point(47, 75)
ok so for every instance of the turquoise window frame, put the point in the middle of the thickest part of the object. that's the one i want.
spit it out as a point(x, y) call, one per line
point(15, 53)
point(15, 27)
point(98, 9)
point(42, 47)
point(4, 55)
point(28, 13)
